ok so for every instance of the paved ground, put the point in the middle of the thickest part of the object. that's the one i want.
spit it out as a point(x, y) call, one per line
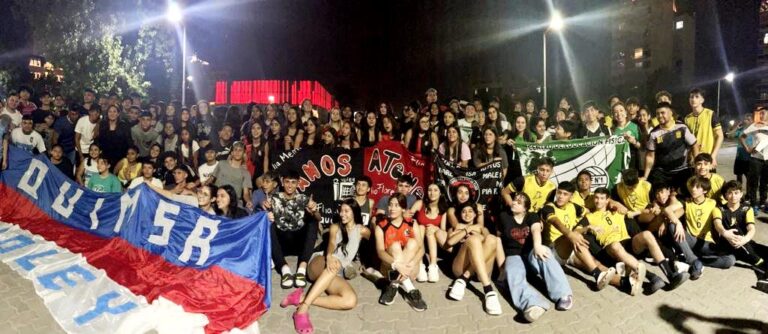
point(722, 301)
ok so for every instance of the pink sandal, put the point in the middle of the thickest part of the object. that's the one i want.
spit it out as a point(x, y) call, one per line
point(302, 324)
point(293, 298)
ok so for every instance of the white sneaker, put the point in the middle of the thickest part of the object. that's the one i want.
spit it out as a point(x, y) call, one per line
point(636, 279)
point(681, 267)
point(621, 269)
point(433, 273)
point(605, 278)
point(422, 276)
point(492, 305)
point(457, 289)
point(533, 313)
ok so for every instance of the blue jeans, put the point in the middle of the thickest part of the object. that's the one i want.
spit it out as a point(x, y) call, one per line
point(523, 294)
point(694, 249)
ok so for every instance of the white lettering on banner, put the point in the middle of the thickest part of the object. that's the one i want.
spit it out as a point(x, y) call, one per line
point(94, 217)
point(196, 239)
point(166, 224)
point(126, 202)
point(58, 203)
point(31, 189)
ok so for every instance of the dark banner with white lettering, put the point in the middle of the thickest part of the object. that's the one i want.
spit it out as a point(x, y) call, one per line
point(326, 175)
point(484, 183)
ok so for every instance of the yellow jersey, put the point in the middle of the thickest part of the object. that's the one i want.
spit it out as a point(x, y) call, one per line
point(537, 193)
point(699, 218)
point(569, 215)
point(612, 226)
point(703, 127)
point(588, 202)
point(636, 199)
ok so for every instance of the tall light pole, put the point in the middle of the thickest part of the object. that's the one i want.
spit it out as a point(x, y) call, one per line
point(175, 15)
point(728, 77)
point(556, 24)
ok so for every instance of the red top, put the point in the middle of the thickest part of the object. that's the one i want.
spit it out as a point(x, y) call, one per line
point(393, 234)
point(424, 220)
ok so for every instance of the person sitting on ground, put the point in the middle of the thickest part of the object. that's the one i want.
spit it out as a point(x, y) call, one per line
point(325, 268)
point(295, 219)
point(476, 253)
point(695, 239)
point(432, 217)
point(521, 237)
point(399, 246)
point(405, 184)
point(561, 219)
point(104, 182)
point(611, 232)
point(735, 232)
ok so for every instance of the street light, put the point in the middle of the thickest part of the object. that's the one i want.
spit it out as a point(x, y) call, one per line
point(175, 15)
point(556, 24)
point(728, 77)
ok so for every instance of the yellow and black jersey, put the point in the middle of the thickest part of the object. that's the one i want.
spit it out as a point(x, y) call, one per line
point(537, 193)
point(587, 202)
point(738, 219)
point(716, 181)
point(635, 199)
point(703, 127)
point(699, 218)
point(612, 226)
point(569, 215)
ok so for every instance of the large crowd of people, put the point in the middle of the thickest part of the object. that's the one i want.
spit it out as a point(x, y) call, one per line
point(671, 208)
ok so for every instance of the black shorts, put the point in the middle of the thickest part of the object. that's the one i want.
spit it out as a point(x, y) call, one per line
point(741, 167)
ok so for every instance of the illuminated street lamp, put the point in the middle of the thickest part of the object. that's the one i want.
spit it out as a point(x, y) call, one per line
point(175, 15)
point(556, 24)
point(729, 78)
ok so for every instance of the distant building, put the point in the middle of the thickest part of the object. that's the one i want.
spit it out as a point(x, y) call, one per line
point(762, 55)
point(652, 47)
point(41, 69)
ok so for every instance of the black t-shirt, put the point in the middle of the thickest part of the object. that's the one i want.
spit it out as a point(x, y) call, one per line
point(516, 237)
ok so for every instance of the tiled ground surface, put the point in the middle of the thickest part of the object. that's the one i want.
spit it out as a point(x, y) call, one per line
point(720, 302)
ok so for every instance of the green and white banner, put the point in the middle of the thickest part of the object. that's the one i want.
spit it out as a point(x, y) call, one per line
point(603, 157)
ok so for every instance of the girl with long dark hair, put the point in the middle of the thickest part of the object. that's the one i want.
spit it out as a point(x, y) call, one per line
point(420, 139)
point(327, 268)
point(226, 203)
point(454, 149)
point(188, 148)
point(489, 151)
point(256, 151)
point(293, 129)
point(432, 217)
point(311, 136)
point(348, 136)
point(370, 130)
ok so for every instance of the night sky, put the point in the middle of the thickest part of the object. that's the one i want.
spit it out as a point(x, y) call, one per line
point(370, 51)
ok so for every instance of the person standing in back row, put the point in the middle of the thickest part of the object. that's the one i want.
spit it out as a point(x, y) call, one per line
point(705, 125)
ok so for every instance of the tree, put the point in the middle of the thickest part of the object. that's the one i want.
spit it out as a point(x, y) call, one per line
point(86, 39)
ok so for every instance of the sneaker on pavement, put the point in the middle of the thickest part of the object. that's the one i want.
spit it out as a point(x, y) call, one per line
point(621, 269)
point(565, 303)
point(696, 270)
point(681, 267)
point(533, 313)
point(422, 276)
point(605, 278)
point(656, 284)
point(388, 295)
point(414, 299)
point(433, 273)
point(677, 279)
point(457, 289)
point(286, 281)
point(492, 305)
point(636, 278)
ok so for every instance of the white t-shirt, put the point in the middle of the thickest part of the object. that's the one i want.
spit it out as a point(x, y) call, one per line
point(139, 180)
point(27, 142)
point(85, 128)
point(205, 171)
point(759, 133)
point(14, 115)
point(185, 149)
point(466, 130)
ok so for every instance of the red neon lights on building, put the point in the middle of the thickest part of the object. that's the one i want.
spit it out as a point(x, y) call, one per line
point(259, 91)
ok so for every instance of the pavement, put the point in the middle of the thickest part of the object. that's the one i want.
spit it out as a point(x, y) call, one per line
point(722, 301)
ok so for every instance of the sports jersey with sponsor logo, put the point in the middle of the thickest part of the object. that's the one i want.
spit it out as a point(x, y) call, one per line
point(569, 215)
point(738, 219)
point(612, 227)
point(537, 193)
point(703, 126)
point(637, 198)
point(699, 218)
point(671, 146)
